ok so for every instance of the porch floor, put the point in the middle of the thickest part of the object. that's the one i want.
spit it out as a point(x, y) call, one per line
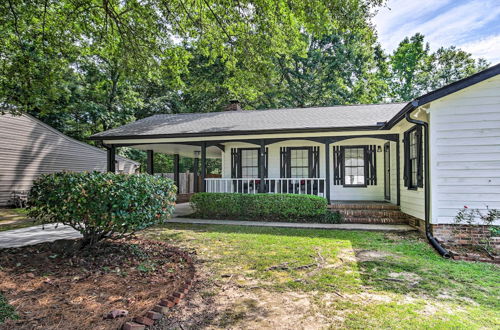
point(184, 209)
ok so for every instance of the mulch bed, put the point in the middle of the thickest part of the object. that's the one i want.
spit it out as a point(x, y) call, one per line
point(56, 286)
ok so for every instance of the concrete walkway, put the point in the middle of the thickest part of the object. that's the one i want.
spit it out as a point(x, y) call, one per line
point(36, 234)
point(340, 226)
point(185, 209)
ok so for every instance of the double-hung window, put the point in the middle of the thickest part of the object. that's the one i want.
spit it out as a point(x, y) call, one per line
point(413, 159)
point(299, 163)
point(413, 171)
point(249, 163)
point(354, 166)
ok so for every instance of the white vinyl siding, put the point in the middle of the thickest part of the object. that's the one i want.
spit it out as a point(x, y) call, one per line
point(412, 200)
point(465, 150)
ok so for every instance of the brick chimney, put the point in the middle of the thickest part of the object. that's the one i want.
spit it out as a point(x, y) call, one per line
point(234, 105)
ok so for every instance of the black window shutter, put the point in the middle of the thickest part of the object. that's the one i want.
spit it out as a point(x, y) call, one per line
point(234, 162)
point(310, 155)
point(371, 165)
point(420, 176)
point(406, 171)
point(284, 162)
point(338, 160)
point(266, 172)
point(314, 162)
point(266, 162)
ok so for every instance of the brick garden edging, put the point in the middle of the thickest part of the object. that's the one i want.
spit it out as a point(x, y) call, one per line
point(476, 257)
point(164, 305)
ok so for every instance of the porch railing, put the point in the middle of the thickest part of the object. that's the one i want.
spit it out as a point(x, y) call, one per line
point(307, 186)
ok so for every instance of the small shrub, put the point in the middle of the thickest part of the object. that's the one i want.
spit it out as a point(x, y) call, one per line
point(262, 207)
point(102, 205)
point(6, 310)
point(475, 217)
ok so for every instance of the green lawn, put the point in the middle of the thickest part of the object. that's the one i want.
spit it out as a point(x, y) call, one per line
point(14, 219)
point(355, 279)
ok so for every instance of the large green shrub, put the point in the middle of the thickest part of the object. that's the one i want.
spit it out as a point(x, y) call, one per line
point(262, 207)
point(102, 205)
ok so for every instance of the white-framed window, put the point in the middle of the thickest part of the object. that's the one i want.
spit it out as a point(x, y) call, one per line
point(413, 159)
point(249, 163)
point(299, 163)
point(354, 166)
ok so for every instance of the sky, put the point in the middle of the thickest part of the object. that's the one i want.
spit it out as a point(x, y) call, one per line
point(472, 25)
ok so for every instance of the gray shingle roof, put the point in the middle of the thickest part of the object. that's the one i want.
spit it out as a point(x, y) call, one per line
point(257, 120)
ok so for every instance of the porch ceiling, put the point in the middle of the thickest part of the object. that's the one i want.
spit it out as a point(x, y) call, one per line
point(183, 150)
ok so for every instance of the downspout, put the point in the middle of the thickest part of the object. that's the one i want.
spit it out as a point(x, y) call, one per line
point(428, 233)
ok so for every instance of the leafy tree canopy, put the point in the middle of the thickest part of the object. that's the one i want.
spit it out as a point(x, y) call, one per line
point(83, 66)
point(415, 70)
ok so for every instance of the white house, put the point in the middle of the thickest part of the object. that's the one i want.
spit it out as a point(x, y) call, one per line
point(29, 148)
point(427, 158)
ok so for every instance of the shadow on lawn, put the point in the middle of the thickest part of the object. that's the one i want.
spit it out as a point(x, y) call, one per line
point(401, 263)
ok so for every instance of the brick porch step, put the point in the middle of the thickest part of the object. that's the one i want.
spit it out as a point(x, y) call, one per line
point(392, 221)
point(363, 206)
point(373, 213)
point(370, 212)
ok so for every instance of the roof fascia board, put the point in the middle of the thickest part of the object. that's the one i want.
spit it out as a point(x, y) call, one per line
point(237, 138)
point(254, 132)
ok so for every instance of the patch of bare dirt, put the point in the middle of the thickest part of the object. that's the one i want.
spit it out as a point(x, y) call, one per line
point(237, 303)
point(372, 255)
point(411, 278)
point(56, 286)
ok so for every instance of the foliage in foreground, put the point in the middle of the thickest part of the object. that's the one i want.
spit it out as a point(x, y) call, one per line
point(6, 310)
point(102, 205)
point(263, 207)
point(87, 66)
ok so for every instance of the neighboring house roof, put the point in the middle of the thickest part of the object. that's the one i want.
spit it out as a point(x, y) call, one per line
point(336, 118)
point(86, 145)
point(372, 116)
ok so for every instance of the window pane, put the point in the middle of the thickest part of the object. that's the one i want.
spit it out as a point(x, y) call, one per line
point(413, 151)
point(354, 166)
point(299, 163)
point(249, 163)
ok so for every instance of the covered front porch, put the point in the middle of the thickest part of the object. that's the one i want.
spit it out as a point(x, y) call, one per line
point(349, 167)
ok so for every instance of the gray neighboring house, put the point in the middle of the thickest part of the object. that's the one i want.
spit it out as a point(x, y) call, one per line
point(29, 148)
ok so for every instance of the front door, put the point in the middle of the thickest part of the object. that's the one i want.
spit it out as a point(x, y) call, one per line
point(387, 171)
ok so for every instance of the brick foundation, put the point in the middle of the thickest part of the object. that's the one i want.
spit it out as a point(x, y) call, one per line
point(464, 236)
point(416, 222)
